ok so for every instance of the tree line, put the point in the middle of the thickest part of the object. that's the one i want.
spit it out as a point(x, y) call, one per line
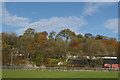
point(42, 48)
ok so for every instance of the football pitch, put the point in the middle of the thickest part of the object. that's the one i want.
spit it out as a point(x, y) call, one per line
point(56, 74)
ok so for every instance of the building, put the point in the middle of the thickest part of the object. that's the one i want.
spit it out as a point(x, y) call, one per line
point(108, 61)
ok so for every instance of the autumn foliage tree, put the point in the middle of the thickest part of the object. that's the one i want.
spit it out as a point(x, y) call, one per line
point(42, 47)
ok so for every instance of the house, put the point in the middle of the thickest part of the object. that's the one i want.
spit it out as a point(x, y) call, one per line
point(108, 61)
point(111, 63)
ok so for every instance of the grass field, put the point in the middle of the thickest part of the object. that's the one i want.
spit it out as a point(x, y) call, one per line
point(56, 74)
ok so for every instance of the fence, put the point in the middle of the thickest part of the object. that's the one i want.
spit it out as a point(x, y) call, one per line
point(59, 68)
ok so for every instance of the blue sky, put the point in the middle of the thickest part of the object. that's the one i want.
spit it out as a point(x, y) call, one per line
point(81, 17)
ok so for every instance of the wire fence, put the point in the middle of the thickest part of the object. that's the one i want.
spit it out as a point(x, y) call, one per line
point(58, 68)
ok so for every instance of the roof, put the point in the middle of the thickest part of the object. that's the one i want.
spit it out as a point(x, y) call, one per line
point(105, 56)
point(110, 61)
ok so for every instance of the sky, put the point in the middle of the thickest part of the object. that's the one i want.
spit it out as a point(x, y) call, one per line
point(80, 17)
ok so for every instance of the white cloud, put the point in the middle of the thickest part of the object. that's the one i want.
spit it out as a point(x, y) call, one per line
point(13, 20)
point(92, 8)
point(112, 24)
point(57, 24)
point(54, 23)
point(48, 24)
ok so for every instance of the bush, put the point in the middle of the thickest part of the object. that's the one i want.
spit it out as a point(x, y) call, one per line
point(53, 61)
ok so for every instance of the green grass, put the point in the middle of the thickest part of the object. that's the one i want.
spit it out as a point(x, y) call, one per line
point(56, 74)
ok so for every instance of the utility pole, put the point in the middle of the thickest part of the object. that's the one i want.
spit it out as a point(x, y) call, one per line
point(28, 60)
point(11, 58)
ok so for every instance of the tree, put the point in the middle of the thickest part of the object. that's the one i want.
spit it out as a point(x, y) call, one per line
point(39, 47)
point(52, 35)
point(30, 31)
point(100, 37)
point(89, 35)
point(41, 37)
point(66, 34)
point(8, 42)
point(79, 36)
